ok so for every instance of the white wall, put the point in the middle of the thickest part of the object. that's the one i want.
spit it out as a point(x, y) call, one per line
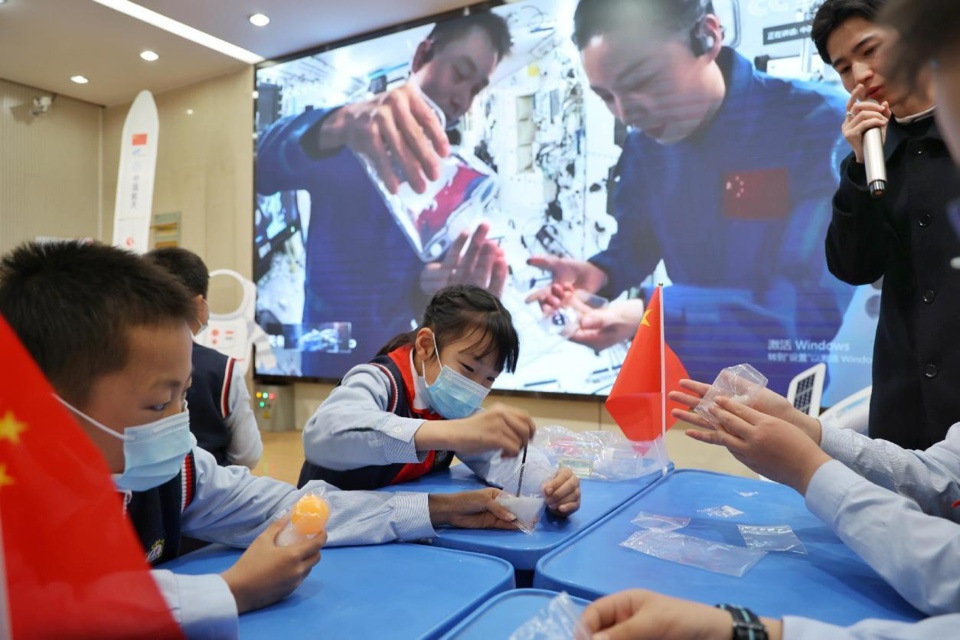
point(49, 167)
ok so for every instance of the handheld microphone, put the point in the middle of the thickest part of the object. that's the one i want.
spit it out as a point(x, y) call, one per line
point(874, 162)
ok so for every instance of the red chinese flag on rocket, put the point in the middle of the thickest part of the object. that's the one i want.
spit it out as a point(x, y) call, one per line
point(70, 563)
point(637, 401)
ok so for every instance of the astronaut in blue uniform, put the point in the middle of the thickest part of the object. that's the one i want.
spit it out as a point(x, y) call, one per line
point(727, 177)
point(360, 267)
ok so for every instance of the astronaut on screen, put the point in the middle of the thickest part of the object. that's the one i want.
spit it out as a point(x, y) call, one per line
point(363, 265)
point(726, 176)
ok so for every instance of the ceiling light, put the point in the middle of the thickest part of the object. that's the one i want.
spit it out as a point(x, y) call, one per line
point(259, 20)
point(189, 112)
point(178, 28)
point(79, 79)
point(149, 56)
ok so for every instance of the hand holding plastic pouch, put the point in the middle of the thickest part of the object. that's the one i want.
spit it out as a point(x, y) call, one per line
point(454, 203)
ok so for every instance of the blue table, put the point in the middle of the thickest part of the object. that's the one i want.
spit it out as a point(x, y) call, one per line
point(386, 591)
point(505, 613)
point(830, 583)
point(597, 499)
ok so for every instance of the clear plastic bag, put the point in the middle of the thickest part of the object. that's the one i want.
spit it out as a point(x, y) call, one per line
point(772, 538)
point(741, 383)
point(601, 455)
point(695, 552)
point(656, 522)
point(308, 518)
point(524, 499)
point(559, 620)
point(723, 511)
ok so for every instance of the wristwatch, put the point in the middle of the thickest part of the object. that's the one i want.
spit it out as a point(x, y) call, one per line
point(746, 624)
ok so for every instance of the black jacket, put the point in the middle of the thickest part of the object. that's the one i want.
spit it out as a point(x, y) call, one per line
point(906, 239)
point(207, 400)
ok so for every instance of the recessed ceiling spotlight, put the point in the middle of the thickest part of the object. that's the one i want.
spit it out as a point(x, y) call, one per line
point(259, 20)
point(189, 112)
point(79, 79)
point(149, 56)
point(178, 28)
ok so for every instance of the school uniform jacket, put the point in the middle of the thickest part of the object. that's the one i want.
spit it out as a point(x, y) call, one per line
point(229, 505)
point(355, 428)
point(220, 414)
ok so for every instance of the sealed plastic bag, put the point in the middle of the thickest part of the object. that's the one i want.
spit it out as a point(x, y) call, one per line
point(772, 538)
point(656, 522)
point(695, 552)
point(741, 383)
point(601, 455)
point(723, 511)
point(559, 620)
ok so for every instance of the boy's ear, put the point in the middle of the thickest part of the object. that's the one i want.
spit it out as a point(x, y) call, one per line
point(203, 311)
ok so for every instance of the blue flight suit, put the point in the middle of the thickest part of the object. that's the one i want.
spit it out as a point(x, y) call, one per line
point(738, 212)
point(360, 266)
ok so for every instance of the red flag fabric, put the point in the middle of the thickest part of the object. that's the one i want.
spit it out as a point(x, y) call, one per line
point(74, 566)
point(636, 401)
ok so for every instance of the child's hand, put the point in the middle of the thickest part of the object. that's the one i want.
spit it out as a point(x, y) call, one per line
point(266, 573)
point(499, 427)
point(470, 510)
point(562, 492)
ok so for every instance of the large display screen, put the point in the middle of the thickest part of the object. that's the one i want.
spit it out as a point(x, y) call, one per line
point(702, 155)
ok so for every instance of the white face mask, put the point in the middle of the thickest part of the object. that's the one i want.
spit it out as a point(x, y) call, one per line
point(153, 453)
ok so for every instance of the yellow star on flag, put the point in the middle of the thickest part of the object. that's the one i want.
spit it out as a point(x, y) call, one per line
point(4, 478)
point(646, 314)
point(11, 428)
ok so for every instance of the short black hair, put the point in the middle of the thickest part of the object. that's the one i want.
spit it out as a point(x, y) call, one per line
point(72, 304)
point(463, 311)
point(927, 29)
point(185, 265)
point(833, 13)
point(493, 25)
point(599, 17)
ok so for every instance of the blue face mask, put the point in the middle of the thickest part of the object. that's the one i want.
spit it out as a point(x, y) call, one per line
point(453, 395)
point(153, 453)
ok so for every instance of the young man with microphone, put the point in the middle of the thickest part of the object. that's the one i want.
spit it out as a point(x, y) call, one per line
point(899, 233)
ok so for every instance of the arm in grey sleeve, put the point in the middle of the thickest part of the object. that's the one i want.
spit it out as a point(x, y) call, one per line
point(354, 427)
point(245, 446)
point(912, 551)
point(930, 478)
point(202, 605)
point(805, 629)
point(232, 506)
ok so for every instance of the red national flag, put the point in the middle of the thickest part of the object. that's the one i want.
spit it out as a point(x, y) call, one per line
point(636, 401)
point(74, 567)
point(139, 139)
